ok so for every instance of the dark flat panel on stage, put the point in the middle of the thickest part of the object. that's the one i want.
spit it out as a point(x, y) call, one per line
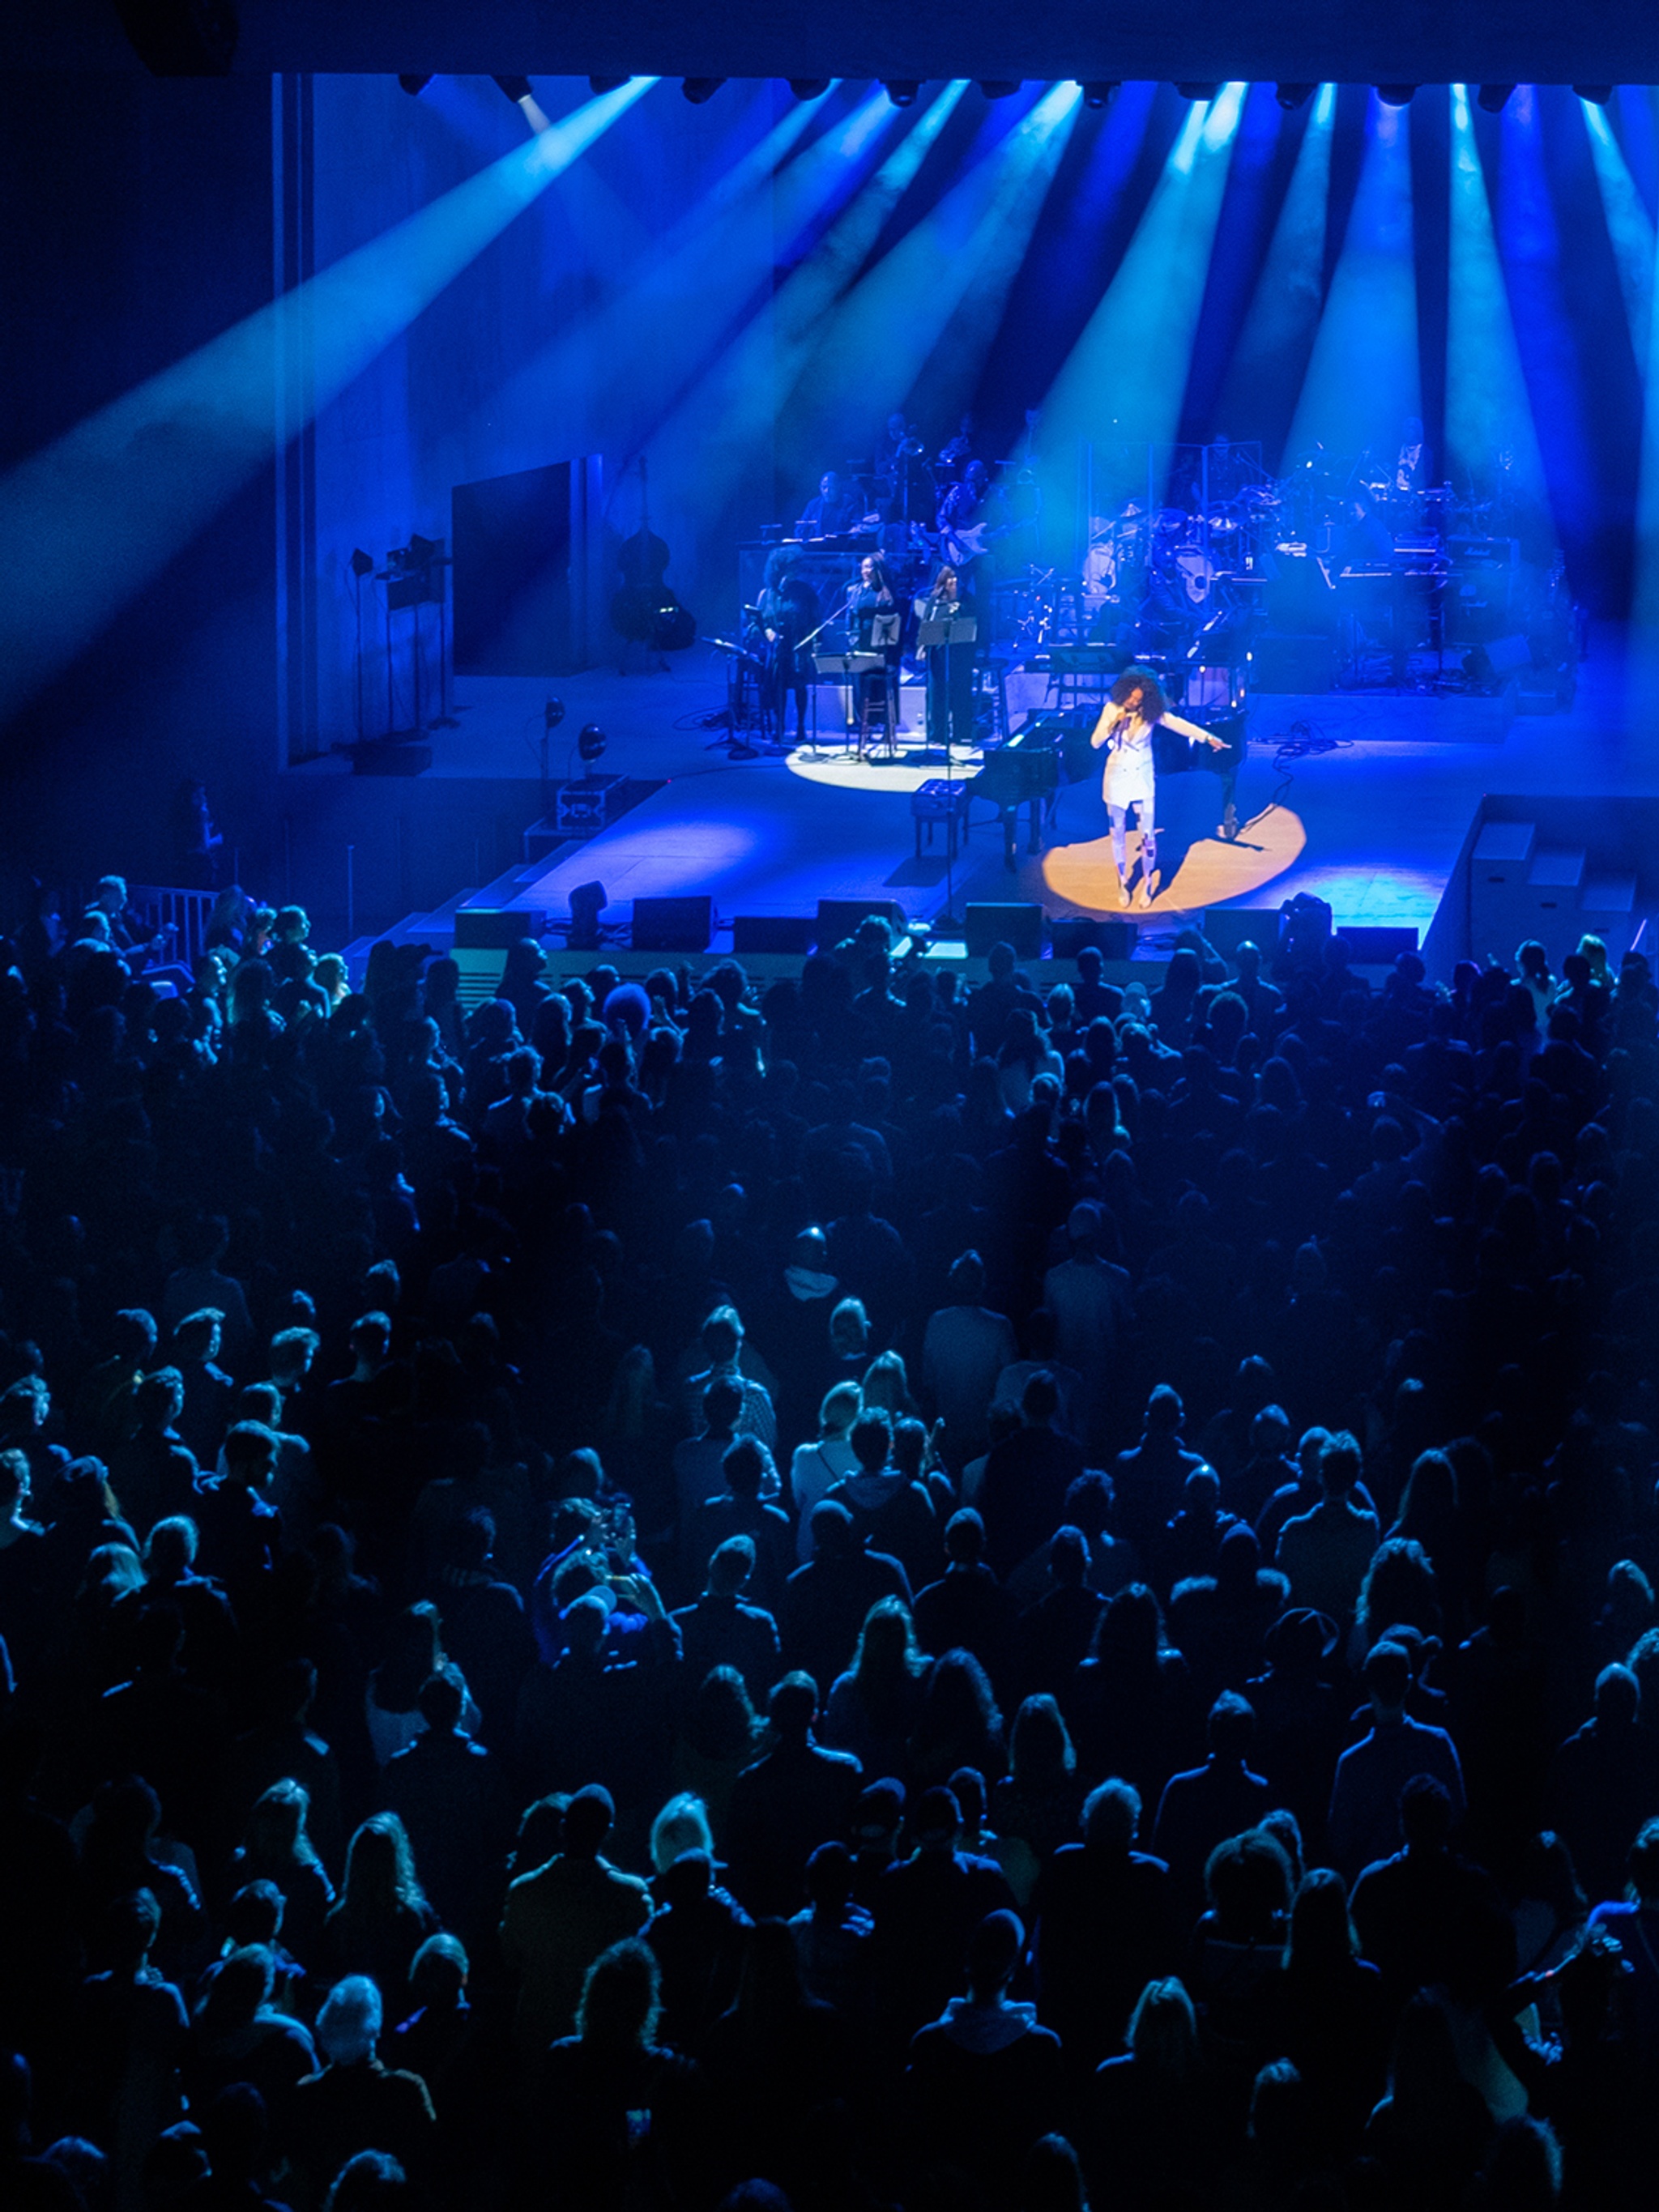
point(517, 610)
point(773, 932)
point(673, 924)
point(1069, 933)
point(1020, 925)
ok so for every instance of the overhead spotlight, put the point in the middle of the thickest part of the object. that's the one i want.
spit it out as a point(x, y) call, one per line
point(599, 84)
point(1292, 96)
point(592, 742)
point(699, 88)
point(903, 91)
point(808, 88)
point(1395, 95)
point(553, 713)
point(587, 902)
point(362, 564)
point(1597, 94)
point(181, 37)
point(999, 87)
point(514, 87)
point(1196, 91)
point(1491, 98)
point(414, 86)
point(1097, 91)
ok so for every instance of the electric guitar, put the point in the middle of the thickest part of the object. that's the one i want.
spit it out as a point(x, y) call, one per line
point(971, 543)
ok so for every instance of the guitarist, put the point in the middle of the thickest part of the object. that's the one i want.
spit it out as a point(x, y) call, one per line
point(971, 517)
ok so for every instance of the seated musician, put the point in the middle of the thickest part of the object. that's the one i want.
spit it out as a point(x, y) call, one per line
point(834, 511)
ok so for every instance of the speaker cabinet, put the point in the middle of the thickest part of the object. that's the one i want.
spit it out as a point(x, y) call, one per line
point(673, 924)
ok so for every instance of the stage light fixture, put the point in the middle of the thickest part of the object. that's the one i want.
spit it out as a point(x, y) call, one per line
point(514, 89)
point(808, 87)
point(181, 37)
point(700, 88)
point(596, 85)
point(1097, 91)
point(362, 564)
point(1000, 87)
point(1395, 95)
point(1491, 98)
point(1197, 91)
point(553, 713)
point(591, 743)
point(903, 91)
point(587, 901)
point(1292, 96)
point(1597, 94)
point(414, 86)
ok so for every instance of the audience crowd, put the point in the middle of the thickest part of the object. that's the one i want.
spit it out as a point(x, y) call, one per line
point(882, 1589)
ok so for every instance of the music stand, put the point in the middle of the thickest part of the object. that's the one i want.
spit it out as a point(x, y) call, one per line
point(847, 668)
point(932, 632)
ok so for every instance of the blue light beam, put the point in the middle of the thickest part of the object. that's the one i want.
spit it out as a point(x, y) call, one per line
point(1120, 386)
point(107, 506)
point(1629, 228)
point(939, 293)
point(1487, 409)
point(1277, 341)
point(1363, 379)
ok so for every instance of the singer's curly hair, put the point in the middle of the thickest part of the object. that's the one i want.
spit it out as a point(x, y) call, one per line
point(1153, 701)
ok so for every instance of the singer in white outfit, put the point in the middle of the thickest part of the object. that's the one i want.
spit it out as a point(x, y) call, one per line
point(1134, 710)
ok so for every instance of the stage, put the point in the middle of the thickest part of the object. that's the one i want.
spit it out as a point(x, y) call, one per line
point(1373, 825)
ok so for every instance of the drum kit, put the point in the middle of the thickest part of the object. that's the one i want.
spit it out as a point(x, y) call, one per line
point(1192, 557)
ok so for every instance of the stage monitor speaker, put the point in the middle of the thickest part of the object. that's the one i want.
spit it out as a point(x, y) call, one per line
point(773, 932)
point(1378, 947)
point(1283, 661)
point(497, 926)
point(1228, 926)
point(839, 917)
point(1069, 933)
point(673, 924)
point(1020, 927)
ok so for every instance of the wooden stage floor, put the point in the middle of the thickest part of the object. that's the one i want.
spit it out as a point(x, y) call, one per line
point(1373, 824)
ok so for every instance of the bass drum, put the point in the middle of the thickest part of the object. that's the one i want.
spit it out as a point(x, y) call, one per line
point(1196, 573)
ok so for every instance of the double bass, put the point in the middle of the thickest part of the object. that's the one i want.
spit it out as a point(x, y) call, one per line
point(645, 609)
